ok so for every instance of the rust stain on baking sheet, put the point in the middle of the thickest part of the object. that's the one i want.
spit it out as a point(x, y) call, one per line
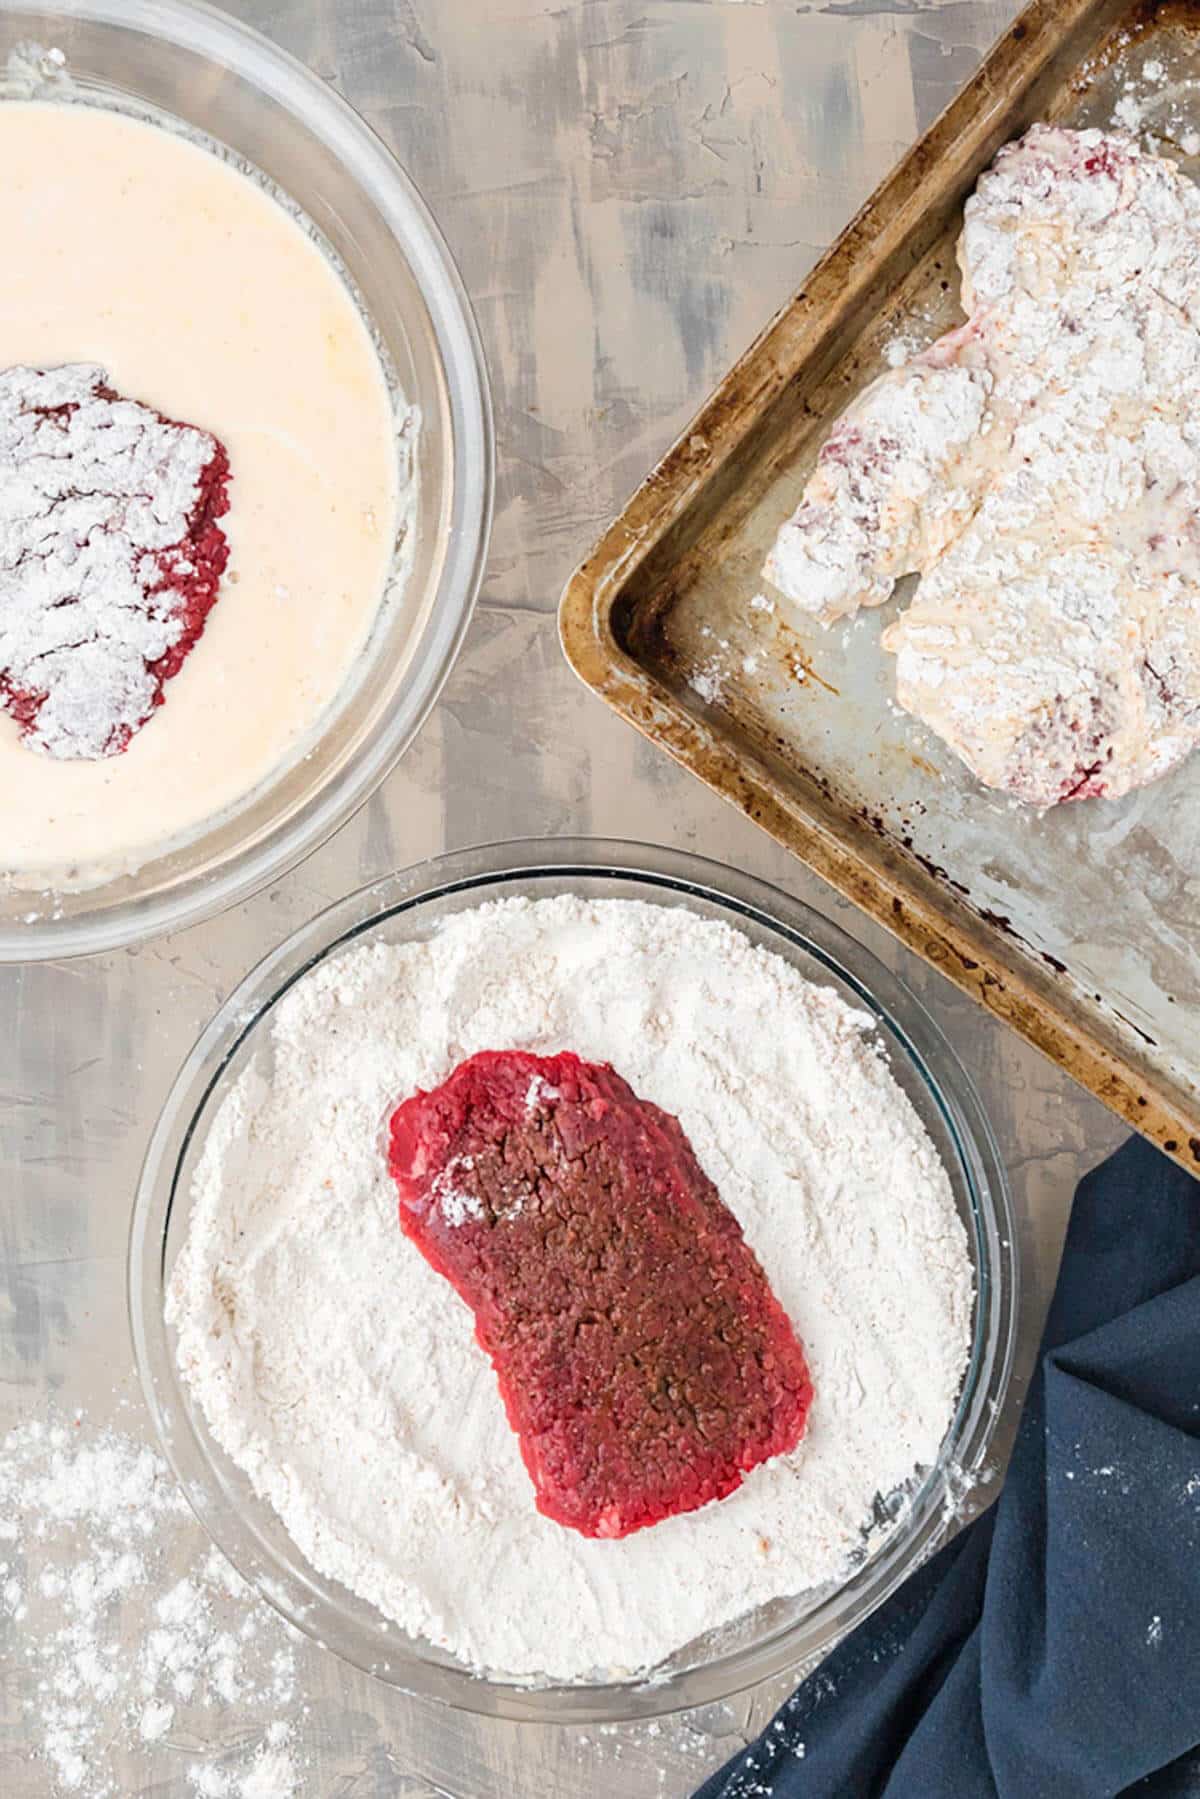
point(796, 659)
point(765, 418)
point(801, 669)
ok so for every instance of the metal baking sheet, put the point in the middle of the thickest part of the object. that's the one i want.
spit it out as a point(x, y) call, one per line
point(1078, 927)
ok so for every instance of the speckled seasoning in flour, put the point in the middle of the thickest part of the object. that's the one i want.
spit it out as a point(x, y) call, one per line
point(340, 1371)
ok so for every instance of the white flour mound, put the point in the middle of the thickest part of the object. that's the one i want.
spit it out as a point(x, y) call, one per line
point(341, 1372)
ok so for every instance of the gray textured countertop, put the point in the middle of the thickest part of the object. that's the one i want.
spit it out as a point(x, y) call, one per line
point(630, 188)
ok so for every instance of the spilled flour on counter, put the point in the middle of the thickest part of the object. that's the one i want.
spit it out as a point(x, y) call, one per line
point(123, 1647)
point(340, 1371)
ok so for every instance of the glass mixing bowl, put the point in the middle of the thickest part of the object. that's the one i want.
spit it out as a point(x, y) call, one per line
point(411, 906)
point(191, 68)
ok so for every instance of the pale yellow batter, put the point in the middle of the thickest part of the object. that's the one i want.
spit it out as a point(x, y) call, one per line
point(126, 246)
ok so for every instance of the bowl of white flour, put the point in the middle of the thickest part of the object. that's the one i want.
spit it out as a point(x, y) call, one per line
point(317, 1384)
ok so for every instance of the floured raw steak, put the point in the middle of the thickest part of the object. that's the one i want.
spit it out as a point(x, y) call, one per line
point(1039, 467)
point(110, 556)
point(643, 1360)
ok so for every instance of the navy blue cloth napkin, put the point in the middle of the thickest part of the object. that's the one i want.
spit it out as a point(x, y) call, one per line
point(1052, 1651)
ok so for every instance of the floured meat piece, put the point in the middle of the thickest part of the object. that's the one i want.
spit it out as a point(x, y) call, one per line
point(643, 1360)
point(110, 556)
point(894, 484)
point(1054, 641)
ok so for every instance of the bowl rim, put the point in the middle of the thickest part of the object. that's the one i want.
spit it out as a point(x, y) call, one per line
point(195, 26)
point(486, 870)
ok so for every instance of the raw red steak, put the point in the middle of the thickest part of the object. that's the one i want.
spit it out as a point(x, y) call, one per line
point(643, 1360)
point(110, 556)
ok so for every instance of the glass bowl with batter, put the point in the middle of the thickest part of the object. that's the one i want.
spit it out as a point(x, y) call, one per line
point(411, 907)
point(235, 778)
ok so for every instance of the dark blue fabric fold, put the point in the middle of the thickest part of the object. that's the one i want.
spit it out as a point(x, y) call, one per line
point(1052, 1651)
